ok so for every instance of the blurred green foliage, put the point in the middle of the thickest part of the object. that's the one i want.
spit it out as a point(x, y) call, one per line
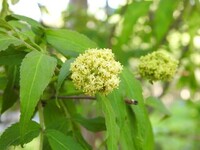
point(145, 26)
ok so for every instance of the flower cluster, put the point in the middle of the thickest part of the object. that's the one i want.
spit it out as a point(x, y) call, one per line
point(96, 71)
point(157, 66)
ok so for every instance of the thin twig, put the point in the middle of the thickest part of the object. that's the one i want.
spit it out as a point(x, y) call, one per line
point(127, 101)
point(77, 97)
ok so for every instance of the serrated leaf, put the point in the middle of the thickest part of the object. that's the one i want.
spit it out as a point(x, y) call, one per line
point(35, 74)
point(133, 90)
point(25, 30)
point(94, 124)
point(36, 26)
point(10, 96)
point(68, 42)
point(11, 57)
point(6, 41)
point(59, 141)
point(11, 136)
point(157, 105)
point(32, 22)
point(112, 129)
point(64, 72)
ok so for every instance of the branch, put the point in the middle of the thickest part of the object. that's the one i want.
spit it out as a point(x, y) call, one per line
point(127, 101)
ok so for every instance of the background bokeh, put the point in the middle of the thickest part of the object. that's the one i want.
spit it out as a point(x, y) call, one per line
point(133, 29)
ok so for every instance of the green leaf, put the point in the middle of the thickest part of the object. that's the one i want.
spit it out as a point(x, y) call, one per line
point(24, 30)
point(94, 124)
point(10, 95)
point(130, 141)
point(71, 108)
point(64, 72)
point(68, 42)
point(6, 41)
point(35, 74)
point(36, 26)
point(59, 141)
point(60, 123)
point(118, 103)
point(133, 90)
point(3, 82)
point(161, 21)
point(5, 25)
point(11, 135)
point(3, 31)
point(11, 57)
point(157, 105)
point(112, 129)
point(117, 100)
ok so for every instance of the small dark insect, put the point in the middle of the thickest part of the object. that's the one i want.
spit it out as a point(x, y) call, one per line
point(131, 101)
point(43, 103)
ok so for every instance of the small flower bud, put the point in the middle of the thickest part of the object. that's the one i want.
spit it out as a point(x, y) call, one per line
point(157, 66)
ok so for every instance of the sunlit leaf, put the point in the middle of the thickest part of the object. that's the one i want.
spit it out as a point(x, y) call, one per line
point(7, 40)
point(68, 42)
point(36, 26)
point(25, 30)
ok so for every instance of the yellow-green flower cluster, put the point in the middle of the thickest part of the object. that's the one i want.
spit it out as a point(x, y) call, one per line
point(96, 71)
point(157, 66)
